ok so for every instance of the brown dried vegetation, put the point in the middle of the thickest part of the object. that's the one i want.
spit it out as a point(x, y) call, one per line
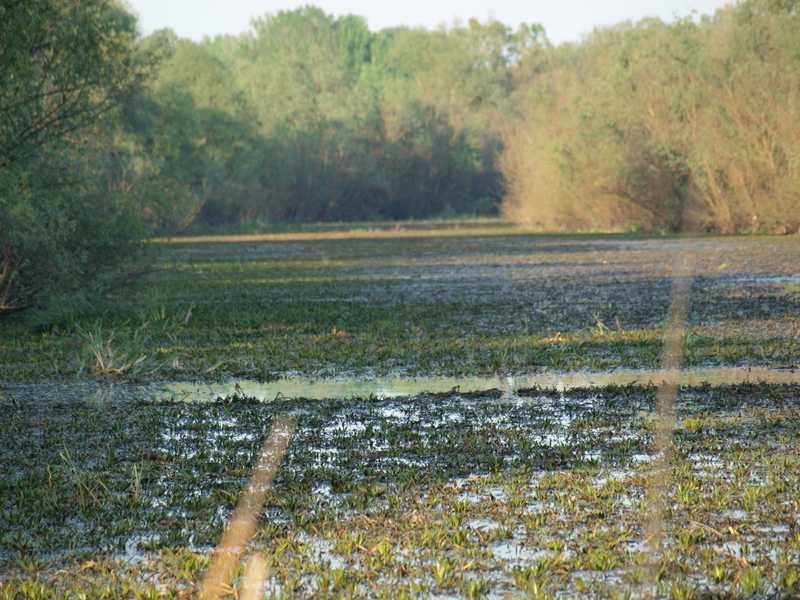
point(694, 125)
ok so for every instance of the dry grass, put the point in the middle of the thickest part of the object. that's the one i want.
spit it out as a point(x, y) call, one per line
point(501, 229)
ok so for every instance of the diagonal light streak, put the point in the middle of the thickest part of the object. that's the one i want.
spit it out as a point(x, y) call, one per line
point(660, 478)
point(254, 577)
point(242, 525)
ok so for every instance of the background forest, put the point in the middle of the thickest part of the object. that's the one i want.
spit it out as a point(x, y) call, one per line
point(107, 137)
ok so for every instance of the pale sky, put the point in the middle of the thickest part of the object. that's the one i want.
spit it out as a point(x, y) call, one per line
point(564, 20)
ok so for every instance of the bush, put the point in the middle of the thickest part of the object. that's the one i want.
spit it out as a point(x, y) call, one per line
point(689, 126)
point(64, 225)
point(66, 207)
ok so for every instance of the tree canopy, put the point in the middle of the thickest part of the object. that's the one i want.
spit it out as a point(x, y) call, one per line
point(63, 65)
point(687, 126)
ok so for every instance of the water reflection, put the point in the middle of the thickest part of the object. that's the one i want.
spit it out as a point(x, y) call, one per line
point(398, 387)
point(103, 393)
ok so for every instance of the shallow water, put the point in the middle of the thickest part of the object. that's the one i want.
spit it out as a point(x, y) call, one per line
point(391, 387)
point(395, 387)
point(519, 476)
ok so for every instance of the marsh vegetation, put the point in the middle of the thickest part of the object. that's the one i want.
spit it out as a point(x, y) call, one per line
point(171, 249)
point(466, 301)
point(121, 482)
point(110, 493)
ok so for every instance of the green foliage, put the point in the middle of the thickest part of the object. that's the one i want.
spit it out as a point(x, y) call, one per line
point(310, 117)
point(66, 211)
point(63, 223)
point(689, 126)
point(63, 63)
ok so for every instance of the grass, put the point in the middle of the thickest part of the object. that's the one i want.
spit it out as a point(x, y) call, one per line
point(447, 301)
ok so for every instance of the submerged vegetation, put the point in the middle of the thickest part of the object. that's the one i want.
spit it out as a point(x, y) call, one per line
point(109, 493)
point(116, 489)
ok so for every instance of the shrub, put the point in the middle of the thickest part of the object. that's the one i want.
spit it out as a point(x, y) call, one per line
point(689, 126)
point(66, 209)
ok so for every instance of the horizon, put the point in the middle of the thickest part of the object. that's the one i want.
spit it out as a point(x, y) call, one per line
point(568, 21)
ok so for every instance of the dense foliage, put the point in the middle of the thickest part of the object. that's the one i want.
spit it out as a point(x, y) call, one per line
point(685, 126)
point(688, 126)
point(64, 213)
point(309, 117)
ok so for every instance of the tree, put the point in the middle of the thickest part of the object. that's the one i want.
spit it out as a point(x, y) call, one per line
point(63, 65)
point(691, 125)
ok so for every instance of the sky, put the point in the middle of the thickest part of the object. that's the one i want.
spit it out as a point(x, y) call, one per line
point(564, 20)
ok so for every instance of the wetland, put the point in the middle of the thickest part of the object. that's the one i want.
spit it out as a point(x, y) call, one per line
point(475, 415)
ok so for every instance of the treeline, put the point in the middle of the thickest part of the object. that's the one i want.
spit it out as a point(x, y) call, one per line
point(308, 117)
point(692, 126)
point(107, 137)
